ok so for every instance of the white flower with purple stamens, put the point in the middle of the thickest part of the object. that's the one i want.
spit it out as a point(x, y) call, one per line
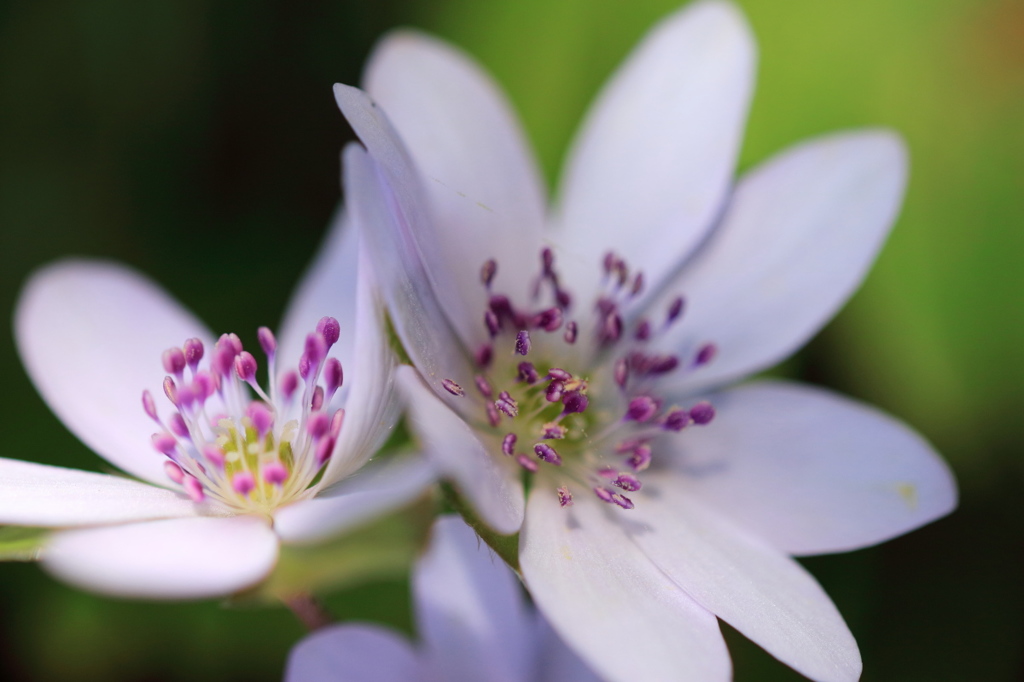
point(228, 469)
point(586, 353)
point(472, 622)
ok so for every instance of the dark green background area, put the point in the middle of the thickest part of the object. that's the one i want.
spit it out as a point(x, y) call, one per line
point(199, 142)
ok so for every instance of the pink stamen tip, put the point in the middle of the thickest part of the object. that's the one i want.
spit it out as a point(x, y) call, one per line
point(453, 387)
point(268, 342)
point(223, 358)
point(603, 494)
point(214, 455)
point(194, 489)
point(174, 472)
point(289, 384)
point(640, 458)
point(627, 483)
point(547, 453)
point(523, 343)
point(305, 366)
point(622, 501)
point(675, 309)
point(261, 417)
point(165, 443)
point(186, 396)
point(331, 330)
point(243, 483)
point(193, 352)
point(317, 400)
point(318, 425)
point(336, 421)
point(236, 343)
point(324, 450)
point(642, 408)
point(508, 444)
point(571, 330)
point(483, 386)
point(316, 347)
point(178, 426)
point(275, 473)
point(174, 361)
point(702, 413)
point(526, 463)
point(334, 375)
point(171, 390)
point(204, 386)
point(705, 355)
point(611, 473)
point(245, 366)
point(149, 405)
point(487, 272)
point(560, 374)
point(564, 497)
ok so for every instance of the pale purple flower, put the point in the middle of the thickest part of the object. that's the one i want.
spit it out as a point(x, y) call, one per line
point(654, 283)
point(472, 621)
point(225, 473)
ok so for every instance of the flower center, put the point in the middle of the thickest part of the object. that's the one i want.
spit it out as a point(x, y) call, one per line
point(252, 455)
point(578, 423)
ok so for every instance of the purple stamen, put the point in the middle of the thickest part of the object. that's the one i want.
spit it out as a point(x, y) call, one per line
point(603, 494)
point(507, 404)
point(174, 472)
point(324, 450)
point(305, 366)
point(267, 341)
point(547, 260)
point(508, 443)
point(492, 322)
point(484, 356)
point(316, 347)
point(245, 366)
point(570, 333)
point(334, 376)
point(705, 355)
point(317, 401)
point(622, 501)
point(178, 425)
point(611, 330)
point(574, 402)
point(528, 373)
point(555, 390)
point(336, 421)
point(564, 497)
point(493, 418)
point(627, 482)
point(261, 417)
point(621, 372)
point(204, 386)
point(223, 358)
point(638, 284)
point(171, 390)
point(243, 483)
point(487, 272)
point(194, 489)
point(643, 331)
point(640, 458)
point(318, 425)
point(214, 455)
point(547, 453)
point(523, 343)
point(193, 353)
point(483, 386)
point(174, 361)
point(549, 320)
point(165, 443)
point(502, 307)
point(289, 384)
point(563, 299)
point(663, 364)
point(186, 396)
point(275, 473)
point(233, 341)
point(676, 420)
point(149, 405)
point(702, 413)
point(553, 431)
point(559, 374)
point(452, 387)
point(642, 408)
point(675, 309)
point(329, 328)
point(527, 463)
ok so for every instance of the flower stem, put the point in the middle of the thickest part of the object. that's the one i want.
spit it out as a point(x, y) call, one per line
point(309, 610)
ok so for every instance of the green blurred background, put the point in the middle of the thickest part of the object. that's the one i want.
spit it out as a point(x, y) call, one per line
point(199, 141)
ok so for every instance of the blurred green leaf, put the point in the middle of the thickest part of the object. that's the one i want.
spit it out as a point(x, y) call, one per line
point(21, 544)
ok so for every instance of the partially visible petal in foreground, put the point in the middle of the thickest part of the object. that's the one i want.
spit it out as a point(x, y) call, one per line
point(609, 602)
point(470, 611)
point(372, 490)
point(811, 471)
point(556, 662)
point(41, 495)
point(494, 490)
point(191, 558)
point(353, 653)
point(755, 588)
point(91, 335)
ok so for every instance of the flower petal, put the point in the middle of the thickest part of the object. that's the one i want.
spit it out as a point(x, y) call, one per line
point(755, 588)
point(556, 661)
point(470, 610)
point(653, 161)
point(811, 471)
point(481, 180)
point(798, 237)
point(493, 489)
point(353, 653)
point(91, 335)
point(607, 600)
point(191, 558)
point(373, 490)
point(386, 208)
point(39, 495)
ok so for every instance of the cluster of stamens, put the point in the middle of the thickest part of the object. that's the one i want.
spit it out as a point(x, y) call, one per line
point(548, 418)
point(249, 454)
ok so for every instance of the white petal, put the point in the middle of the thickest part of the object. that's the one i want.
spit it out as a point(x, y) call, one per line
point(373, 490)
point(387, 210)
point(607, 600)
point(91, 335)
point(492, 488)
point(353, 653)
point(798, 237)
point(481, 180)
point(755, 588)
point(191, 558)
point(556, 661)
point(654, 159)
point(39, 495)
point(470, 610)
point(327, 288)
point(811, 471)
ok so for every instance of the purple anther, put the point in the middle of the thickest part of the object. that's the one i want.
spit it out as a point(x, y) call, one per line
point(638, 284)
point(508, 443)
point(233, 340)
point(675, 309)
point(622, 501)
point(245, 366)
point(549, 320)
point(267, 341)
point(484, 356)
point(528, 373)
point(487, 272)
point(642, 408)
point(663, 364)
point(621, 372)
point(564, 497)
point(526, 463)
point(334, 376)
point(492, 323)
point(643, 331)
point(571, 330)
point(611, 473)
point(548, 454)
point(493, 416)
point(611, 329)
point(275, 473)
point(318, 425)
point(194, 489)
point(483, 386)
point(563, 299)
point(547, 259)
point(502, 307)
point(507, 404)
point(640, 458)
point(553, 431)
point(289, 384)
point(149, 405)
point(193, 352)
point(174, 361)
point(629, 445)
point(243, 483)
point(174, 472)
point(317, 401)
point(523, 343)
point(609, 261)
point(336, 421)
point(171, 390)
point(261, 417)
point(178, 426)
point(603, 494)
point(204, 385)
point(214, 455)
point(329, 328)
point(305, 366)
point(223, 358)
point(705, 355)
point(676, 420)
point(559, 374)
point(186, 396)
point(165, 443)
point(702, 413)
point(574, 402)
point(324, 451)
point(555, 390)
point(627, 482)
point(453, 387)
point(316, 347)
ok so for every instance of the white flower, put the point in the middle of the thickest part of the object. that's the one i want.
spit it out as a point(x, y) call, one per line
point(470, 616)
point(643, 521)
point(206, 520)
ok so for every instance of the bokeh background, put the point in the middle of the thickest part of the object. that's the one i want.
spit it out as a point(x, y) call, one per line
point(198, 141)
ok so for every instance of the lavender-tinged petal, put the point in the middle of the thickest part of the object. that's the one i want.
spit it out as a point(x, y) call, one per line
point(354, 653)
point(556, 662)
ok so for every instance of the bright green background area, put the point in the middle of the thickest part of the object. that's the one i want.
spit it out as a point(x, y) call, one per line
point(199, 142)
